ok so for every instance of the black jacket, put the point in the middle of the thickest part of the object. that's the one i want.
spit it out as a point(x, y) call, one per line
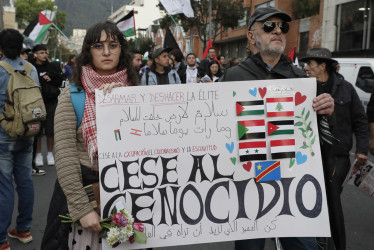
point(183, 74)
point(350, 117)
point(50, 90)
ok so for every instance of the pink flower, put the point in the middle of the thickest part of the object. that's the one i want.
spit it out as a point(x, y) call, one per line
point(120, 220)
point(138, 226)
point(131, 239)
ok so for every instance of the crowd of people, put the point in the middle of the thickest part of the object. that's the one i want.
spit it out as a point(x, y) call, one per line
point(104, 63)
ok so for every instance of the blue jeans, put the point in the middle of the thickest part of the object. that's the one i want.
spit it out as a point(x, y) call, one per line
point(288, 243)
point(16, 161)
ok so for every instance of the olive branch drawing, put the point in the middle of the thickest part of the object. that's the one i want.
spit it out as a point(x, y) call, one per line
point(306, 131)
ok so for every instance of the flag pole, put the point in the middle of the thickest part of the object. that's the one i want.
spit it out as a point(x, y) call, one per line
point(62, 33)
point(180, 29)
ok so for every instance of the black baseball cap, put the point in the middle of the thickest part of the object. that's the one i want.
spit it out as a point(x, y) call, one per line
point(39, 47)
point(159, 51)
point(263, 13)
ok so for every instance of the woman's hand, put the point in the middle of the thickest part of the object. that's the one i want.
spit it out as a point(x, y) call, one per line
point(109, 86)
point(91, 222)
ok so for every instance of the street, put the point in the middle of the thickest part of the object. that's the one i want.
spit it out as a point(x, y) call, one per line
point(358, 211)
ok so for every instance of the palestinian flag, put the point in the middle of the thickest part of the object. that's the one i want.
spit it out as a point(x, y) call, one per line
point(251, 129)
point(127, 24)
point(280, 106)
point(38, 28)
point(267, 171)
point(250, 108)
point(284, 127)
point(282, 148)
point(255, 150)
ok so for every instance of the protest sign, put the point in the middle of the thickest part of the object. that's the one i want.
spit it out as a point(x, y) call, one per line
point(213, 162)
point(362, 177)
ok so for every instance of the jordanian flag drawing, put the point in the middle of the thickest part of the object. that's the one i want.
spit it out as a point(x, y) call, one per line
point(127, 24)
point(267, 171)
point(254, 150)
point(250, 108)
point(280, 106)
point(251, 129)
point(38, 28)
point(283, 127)
point(282, 148)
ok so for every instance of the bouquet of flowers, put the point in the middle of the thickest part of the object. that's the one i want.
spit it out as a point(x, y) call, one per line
point(118, 228)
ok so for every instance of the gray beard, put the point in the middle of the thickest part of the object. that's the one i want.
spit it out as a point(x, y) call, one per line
point(266, 50)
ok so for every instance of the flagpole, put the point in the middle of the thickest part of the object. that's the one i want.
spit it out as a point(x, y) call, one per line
point(62, 33)
point(189, 47)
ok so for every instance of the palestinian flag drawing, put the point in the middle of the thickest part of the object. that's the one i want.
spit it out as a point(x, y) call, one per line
point(117, 135)
point(250, 108)
point(282, 148)
point(280, 106)
point(254, 150)
point(283, 127)
point(127, 24)
point(267, 171)
point(38, 28)
point(251, 129)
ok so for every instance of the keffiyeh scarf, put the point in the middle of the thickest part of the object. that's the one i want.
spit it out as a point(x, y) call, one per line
point(91, 81)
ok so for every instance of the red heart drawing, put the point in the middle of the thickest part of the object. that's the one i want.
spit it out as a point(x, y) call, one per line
point(299, 98)
point(262, 92)
point(247, 166)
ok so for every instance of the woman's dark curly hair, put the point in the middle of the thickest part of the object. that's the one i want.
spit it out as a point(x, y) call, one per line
point(93, 36)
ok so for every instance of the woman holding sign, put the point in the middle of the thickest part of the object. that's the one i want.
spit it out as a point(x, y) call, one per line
point(104, 63)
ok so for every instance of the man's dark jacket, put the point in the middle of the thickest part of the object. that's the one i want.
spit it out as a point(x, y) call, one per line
point(351, 117)
point(183, 73)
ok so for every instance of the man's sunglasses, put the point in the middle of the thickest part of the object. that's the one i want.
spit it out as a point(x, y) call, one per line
point(269, 26)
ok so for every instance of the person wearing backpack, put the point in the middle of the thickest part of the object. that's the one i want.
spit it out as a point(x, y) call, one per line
point(15, 154)
point(50, 78)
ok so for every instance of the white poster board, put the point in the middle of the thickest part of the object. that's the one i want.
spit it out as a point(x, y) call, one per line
point(173, 156)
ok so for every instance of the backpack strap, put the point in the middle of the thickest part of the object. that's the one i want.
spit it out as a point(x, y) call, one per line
point(78, 99)
point(146, 76)
point(10, 69)
point(175, 78)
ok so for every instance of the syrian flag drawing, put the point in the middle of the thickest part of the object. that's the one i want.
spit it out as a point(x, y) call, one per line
point(282, 127)
point(254, 150)
point(282, 148)
point(280, 106)
point(250, 108)
point(38, 28)
point(267, 171)
point(127, 24)
point(251, 129)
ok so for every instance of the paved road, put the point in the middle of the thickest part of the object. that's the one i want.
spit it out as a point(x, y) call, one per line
point(358, 210)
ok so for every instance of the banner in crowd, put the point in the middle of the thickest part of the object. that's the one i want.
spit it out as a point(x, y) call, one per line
point(201, 163)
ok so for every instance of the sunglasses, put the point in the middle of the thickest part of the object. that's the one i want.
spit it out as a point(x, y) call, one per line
point(269, 26)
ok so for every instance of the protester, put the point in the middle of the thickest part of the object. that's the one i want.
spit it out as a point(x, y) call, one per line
point(160, 73)
point(192, 73)
point(214, 72)
point(204, 64)
point(50, 78)
point(147, 66)
point(15, 154)
point(25, 53)
point(103, 63)
point(69, 67)
point(222, 62)
point(350, 119)
point(177, 57)
point(266, 31)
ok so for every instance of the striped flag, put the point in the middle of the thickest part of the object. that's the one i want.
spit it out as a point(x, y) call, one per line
point(280, 106)
point(38, 28)
point(283, 127)
point(250, 108)
point(254, 150)
point(251, 129)
point(127, 24)
point(117, 134)
point(267, 171)
point(136, 132)
point(282, 148)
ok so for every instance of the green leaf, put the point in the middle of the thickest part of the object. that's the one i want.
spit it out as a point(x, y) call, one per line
point(114, 211)
point(140, 237)
point(307, 115)
point(298, 116)
point(292, 161)
point(304, 135)
point(298, 124)
point(311, 134)
point(103, 233)
point(314, 138)
point(304, 146)
point(307, 127)
point(302, 113)
point(302, 130)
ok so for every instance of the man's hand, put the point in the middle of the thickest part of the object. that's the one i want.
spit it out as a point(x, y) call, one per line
point(91, 222)
point(361, 159)
point(47, 78)
point(324, 104)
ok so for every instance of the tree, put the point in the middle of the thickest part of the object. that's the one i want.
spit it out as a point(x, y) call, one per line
point(279, 106)
point(145, 44)
point(305, 8)
point(225, 14)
